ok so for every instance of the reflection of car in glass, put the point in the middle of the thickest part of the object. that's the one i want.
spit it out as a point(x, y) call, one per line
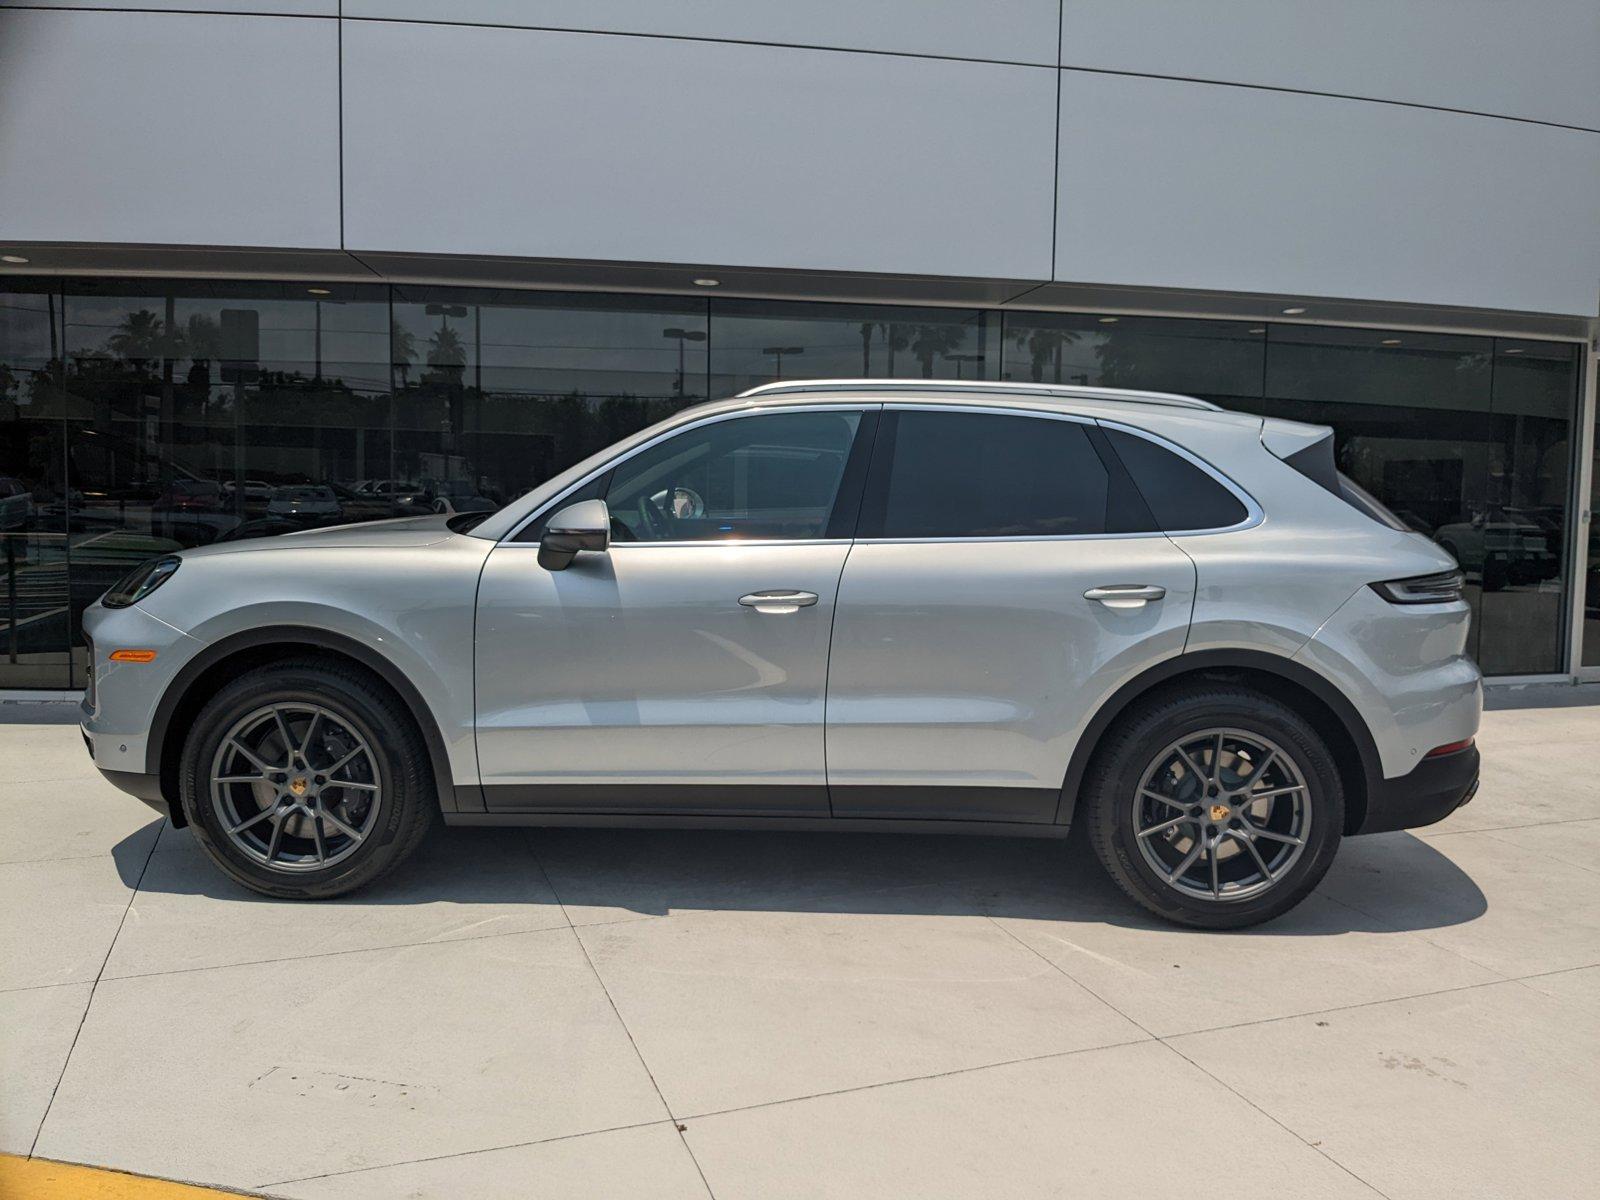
point(254, 491)
point(272, 526)
point(375, 505)
point(190, 495)
point(16, 503)
point(304, 500)
point(991, 608)
point(456, 496)
point(1503, 545)
point(191, 512)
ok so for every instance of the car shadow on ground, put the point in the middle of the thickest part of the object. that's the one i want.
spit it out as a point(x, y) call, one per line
point(1383, 883)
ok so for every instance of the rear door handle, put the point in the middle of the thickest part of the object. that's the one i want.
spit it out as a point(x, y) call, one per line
point(1125, 595)
point(778, 600)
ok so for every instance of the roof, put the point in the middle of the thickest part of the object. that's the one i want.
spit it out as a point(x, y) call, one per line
point(961, 389)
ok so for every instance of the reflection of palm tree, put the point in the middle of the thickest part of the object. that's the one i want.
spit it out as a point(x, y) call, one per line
point(403, 349)
point(446, 351)
point(929, 341)
point(138, 339)
point(202, 339)
point(1044, 345)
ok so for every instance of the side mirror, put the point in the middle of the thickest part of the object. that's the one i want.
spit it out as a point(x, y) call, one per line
point(585, 525)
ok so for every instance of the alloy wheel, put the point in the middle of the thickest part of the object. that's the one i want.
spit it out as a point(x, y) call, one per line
point(295, 787)
point(1222, 814)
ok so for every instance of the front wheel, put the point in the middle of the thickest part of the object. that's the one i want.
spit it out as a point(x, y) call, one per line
point(1215, 806)
point(306, 780)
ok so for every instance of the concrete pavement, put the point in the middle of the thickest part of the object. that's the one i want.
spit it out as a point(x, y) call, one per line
point(680, 1014)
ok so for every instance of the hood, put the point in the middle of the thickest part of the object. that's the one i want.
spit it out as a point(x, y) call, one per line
point(399, 533)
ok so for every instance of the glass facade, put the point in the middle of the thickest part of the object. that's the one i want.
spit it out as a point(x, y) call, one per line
point(137, 417)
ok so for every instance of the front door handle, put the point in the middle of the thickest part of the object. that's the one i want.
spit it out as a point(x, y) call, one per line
point(1125, 595)
point(779, 600)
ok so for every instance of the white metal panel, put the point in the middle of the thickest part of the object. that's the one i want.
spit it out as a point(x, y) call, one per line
point(1536, 59)
point(1010, 30)
point(563, 145)
point(1175, 184)
point(169, 128)
point(297, 8)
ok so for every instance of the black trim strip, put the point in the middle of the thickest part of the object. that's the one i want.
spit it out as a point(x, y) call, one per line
point(1006, 804)
point(801, 824)
point(685, 800)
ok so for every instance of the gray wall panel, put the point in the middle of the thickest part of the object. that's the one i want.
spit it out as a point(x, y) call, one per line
point(1538, 59)
point(493, 141)
point(142, 127)
point(298, 8)
point(1175, 184)
point(1011, 30)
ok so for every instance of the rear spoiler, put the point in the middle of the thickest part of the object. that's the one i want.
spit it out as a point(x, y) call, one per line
point(1309, 450)
point(1306, 448)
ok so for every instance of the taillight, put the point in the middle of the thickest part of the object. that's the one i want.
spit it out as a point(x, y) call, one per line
point(1449, 748)
point(1442, 588)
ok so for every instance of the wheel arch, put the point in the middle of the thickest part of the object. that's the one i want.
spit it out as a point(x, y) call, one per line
point(209, 670)
point(1313, 696)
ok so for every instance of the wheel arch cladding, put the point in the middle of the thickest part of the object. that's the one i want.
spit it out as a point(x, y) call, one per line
point(224, 660)
point(1334, 718)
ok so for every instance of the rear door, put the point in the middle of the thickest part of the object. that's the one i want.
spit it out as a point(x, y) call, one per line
point(1006, 576)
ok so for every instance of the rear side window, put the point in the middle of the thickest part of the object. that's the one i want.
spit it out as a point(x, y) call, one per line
point(1180, 495)
point(977, 475)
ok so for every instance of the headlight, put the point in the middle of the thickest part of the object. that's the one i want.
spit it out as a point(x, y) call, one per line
point(1443, 588)
point(140, 582)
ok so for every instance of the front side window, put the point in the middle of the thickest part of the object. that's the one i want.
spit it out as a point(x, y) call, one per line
point(771, 476)
point(975, 475)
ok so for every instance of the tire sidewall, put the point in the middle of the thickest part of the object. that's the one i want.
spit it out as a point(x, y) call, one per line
point(1160, 725)
point(346, 704)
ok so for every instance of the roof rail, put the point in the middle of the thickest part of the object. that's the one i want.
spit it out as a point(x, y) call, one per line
point(980, 387)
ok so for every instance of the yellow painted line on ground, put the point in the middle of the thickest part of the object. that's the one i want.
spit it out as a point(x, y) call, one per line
point(41, 1179)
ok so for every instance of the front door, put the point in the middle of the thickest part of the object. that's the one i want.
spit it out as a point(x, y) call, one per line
point(1004, 581)
point(685, 668)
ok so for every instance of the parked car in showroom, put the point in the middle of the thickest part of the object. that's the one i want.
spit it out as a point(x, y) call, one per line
point(937, 607)
point(1504, 546)
point(304, 500)
point(16, 503)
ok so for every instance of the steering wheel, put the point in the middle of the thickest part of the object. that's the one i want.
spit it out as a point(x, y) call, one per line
point(659, 510)
point(654, 515)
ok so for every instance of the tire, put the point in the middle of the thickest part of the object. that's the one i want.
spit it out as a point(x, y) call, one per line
point(365, 767)
point(1267, 748)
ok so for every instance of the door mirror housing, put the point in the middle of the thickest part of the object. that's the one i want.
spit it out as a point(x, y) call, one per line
point(585, 525)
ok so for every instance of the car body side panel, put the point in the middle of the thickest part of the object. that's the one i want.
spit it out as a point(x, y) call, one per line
point(1406, 669)
point(640, 667)
point(977, 664)
point(412, 604)
point(1272, 586)
point(126, 693)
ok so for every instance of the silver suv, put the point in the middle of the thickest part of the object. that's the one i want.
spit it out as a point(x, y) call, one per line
point(986, 608)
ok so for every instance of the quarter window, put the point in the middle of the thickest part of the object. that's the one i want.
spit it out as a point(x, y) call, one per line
point(977, 475)
point(772, 476)
point(1180, 495)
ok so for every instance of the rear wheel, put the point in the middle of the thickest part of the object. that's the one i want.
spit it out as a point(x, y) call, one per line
point(306, 780)
point(1215, 806)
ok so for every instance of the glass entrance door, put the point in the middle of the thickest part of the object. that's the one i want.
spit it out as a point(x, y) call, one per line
point(1588, 605)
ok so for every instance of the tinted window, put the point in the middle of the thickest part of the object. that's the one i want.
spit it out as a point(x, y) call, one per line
point(978, 475)
point(1180, 494)
point(770, 476)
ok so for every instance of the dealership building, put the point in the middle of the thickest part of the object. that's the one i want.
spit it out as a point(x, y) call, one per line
point(270, 264)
